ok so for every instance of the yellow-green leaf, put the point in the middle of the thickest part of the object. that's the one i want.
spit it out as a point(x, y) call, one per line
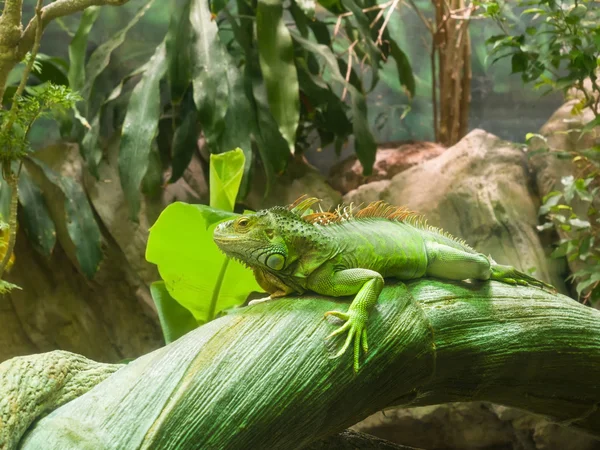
point(226, 171)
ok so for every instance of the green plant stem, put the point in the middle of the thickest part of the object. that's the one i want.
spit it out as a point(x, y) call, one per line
point(215, 295)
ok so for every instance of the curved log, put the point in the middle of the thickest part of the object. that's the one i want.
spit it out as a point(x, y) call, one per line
point(263, 376)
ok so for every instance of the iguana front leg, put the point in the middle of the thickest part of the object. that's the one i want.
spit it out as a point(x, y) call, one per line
point(367, 285)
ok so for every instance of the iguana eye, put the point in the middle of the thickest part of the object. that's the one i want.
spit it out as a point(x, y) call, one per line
point(243, 222)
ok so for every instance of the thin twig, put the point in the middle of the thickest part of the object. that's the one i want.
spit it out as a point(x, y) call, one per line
point(349, 69)
point(424, 19)
point(387, 19)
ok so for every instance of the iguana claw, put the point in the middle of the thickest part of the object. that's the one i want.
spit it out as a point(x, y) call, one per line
point(510, 275)
point(357, 331)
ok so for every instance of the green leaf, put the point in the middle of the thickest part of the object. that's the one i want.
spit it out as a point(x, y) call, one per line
point(272, 146)
point(185, 141)
point(78, 48)
point(405, 72)
point(175, 320)
point(240, 123)
point(34, 216)
point(6, 287)
point(81, 224)
point(178, 51)
point(591, 125)
point(276, 57)
point(519, 62)
point(194, 270)
point(89, 148)
point(366, 147)
point(560, 251)
point(226, 171)
point(209, 72)
point(139, 130)
point(100, 58)
point(533, 11)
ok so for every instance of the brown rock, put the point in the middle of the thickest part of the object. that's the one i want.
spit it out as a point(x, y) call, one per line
point(391, 158)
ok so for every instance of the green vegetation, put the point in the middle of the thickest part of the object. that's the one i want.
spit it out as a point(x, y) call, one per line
point(560, 50)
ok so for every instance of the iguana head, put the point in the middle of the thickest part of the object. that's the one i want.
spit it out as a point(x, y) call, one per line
point(264, 239)
point(277, 243)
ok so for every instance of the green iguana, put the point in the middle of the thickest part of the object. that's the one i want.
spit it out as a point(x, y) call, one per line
point(349, 252)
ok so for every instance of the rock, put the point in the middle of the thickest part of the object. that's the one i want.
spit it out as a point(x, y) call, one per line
point(479, 190)
point(300, 178)
point(473, 426)
point(391, 158)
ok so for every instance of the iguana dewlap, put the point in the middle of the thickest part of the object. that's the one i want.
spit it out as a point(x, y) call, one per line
point(350, 252)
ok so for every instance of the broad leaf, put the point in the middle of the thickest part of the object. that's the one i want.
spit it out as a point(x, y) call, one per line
point(175, 320)
point(240, 126)
point(35, 218)
point(89, 148)
point(405, 72)
point(209, 72)
point(194, 270)
point(139, 130)
point(100, 58)
point(185, 140)
point(78, 48)
point(276, 56)
point(79, 217)
point(178, 51)
point(272, 146)
point(226, 171)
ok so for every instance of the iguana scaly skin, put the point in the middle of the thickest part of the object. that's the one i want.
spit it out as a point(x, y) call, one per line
point(350, 252)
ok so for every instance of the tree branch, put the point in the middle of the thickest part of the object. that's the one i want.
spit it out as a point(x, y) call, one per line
point(263, 376)
point(59, 8)
point(10, 23)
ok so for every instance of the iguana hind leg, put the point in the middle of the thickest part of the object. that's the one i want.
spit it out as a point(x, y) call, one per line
point(367, 285)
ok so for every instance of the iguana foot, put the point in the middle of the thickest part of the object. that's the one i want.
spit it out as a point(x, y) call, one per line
point(510, 275)
point(357, 331)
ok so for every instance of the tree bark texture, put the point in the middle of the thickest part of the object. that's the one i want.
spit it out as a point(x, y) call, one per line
point(263, 376)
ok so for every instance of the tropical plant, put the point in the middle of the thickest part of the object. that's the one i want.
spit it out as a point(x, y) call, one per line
point(560, 50)
point(268, 92)
point(198, 281)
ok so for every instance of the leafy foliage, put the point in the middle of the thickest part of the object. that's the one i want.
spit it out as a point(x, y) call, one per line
point(560, 50)
point(268, 93)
